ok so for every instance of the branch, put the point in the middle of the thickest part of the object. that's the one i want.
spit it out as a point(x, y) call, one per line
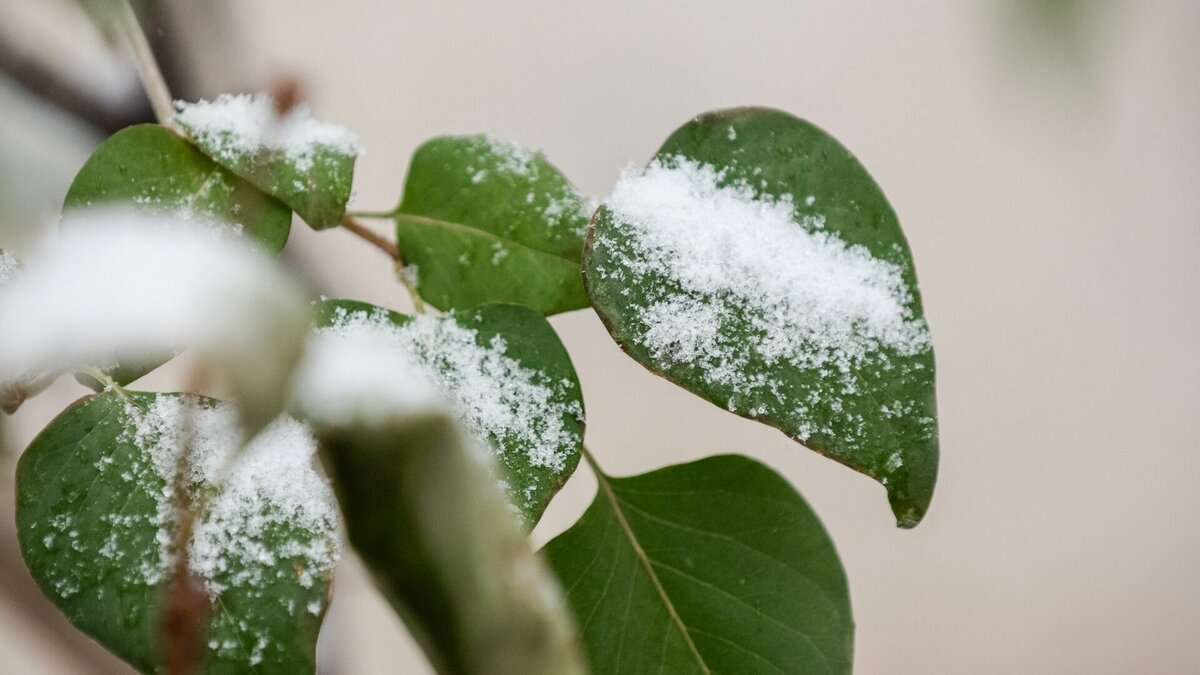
point(147, 67)
point(369, 235)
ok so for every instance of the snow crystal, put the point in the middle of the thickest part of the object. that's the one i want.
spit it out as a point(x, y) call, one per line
point(237, 126)
point(349, 377)
point(513, 158)
point(8, 266)
point(507, 159)
point(131, 283)
point(266, 505)
point(746, 282)
point(501, 402)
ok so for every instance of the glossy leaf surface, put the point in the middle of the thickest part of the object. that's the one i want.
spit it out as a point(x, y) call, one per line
point(485, 220)
point(717, 566)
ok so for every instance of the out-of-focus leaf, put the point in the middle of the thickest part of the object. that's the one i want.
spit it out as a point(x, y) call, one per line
point(423, 509)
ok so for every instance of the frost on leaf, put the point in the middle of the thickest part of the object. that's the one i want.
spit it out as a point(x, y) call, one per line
point(530, 414)
point(151, 167)
point(307, 164)
point(749, 287)
point(488, 220)
point(97, 515)
point(756, 263)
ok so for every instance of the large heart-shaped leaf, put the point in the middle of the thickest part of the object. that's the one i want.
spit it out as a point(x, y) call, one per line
point(96, 525)
point(485, 220)
point(307, 164)
point(150, 166)
point(757, 264)
point(423, 509)
point(713, 566)
point(509, 377)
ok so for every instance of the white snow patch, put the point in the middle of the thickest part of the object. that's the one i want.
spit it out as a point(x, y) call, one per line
point(502, 403)
point(359, 376)
point(270, 488)
point(512, 158)
point(122, 283)
point(236, 126)
point(746, 281)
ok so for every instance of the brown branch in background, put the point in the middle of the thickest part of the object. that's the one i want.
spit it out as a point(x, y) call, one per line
point(369, 235)
point(147, 66)
point(183, 619)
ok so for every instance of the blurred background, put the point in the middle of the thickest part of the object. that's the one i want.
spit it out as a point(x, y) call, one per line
point(1043, 155)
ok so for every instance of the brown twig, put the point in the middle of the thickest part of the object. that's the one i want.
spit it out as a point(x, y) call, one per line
point(147, 67)
point(183, 620)
point(367, 234)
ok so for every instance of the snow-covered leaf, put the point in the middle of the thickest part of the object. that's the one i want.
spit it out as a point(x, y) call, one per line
point(423, 510)
point(717, 566)
point(502, 367)
point(150, 166)
point(756, 263)
point(96, 525)
point(122, 285)
point(486, 220)
point(305, 163)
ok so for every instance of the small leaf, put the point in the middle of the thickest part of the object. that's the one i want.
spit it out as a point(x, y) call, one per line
point(96, 525)
point(713, 566)
point(306, 164)
point(756, 263)
point(509, 376)
point(150, 166)
point(485, 220)
point(423, 510)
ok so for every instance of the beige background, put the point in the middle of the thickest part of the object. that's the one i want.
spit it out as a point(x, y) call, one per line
point(1050, 187)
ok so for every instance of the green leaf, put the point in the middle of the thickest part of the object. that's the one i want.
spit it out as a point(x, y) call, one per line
point(757, 264)
point(510, 377)
point(424, 512)
point(485, 220)
point(149, 165)
point(96, 522)
point(306, 164)
point(713, 566)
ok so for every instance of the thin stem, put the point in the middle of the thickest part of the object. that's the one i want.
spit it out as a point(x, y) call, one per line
point(370, 236)
point(104, 379)
point(187, 602)
point(375, 215)
point(152, 78)
point(410, 284)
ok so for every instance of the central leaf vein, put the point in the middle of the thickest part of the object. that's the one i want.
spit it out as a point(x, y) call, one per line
point(618, 513)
